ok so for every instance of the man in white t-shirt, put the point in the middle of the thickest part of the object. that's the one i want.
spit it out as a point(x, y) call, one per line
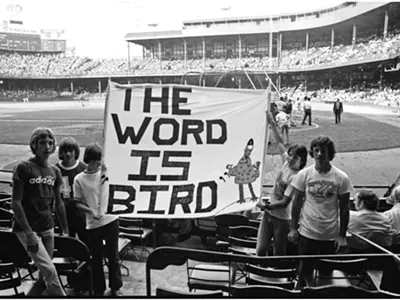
point(321, 193)
point(102, 228)
point(282, 119)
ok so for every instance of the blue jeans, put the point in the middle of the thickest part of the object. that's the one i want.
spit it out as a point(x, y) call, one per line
point(110, 234)
point(272, 227)
point(308, 246)
point(48, 278)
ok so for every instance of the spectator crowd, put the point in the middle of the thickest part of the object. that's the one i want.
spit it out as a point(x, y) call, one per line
point(50, 64)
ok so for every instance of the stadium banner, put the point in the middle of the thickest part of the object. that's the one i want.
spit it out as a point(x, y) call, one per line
point(177, 151)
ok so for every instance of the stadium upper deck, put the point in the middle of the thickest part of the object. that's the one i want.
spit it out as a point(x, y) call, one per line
point(348, 46)
point(346, 24)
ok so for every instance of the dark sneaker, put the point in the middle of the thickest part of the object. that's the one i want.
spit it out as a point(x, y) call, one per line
point(116, 293)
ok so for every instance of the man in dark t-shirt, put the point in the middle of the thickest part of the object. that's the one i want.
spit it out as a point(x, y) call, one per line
point(36, 190)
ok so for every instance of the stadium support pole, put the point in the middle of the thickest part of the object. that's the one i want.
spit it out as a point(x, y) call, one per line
point(204, 54)
point(129, 59)
point(159, 54)
point(185, 53)
point(307, 40)
point(251, 81)
point(266, 138)
point(240, 47)
point(270, 43)
point(385, 25)
point(99, 84)
point(271, 83)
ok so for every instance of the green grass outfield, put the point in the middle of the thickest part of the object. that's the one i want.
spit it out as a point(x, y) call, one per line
point(357, 132)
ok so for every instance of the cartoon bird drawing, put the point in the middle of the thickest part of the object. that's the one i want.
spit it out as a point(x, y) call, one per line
point(245, 172)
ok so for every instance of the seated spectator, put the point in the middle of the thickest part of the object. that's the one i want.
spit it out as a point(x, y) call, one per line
point(375, 226)
point(393, 214)
point(370, 223)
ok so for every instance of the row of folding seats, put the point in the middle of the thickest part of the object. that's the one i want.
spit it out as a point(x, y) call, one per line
point(235, 234)
point(262, 291)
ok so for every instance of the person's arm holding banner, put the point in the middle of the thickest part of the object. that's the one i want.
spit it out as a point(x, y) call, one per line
point(277, 135)
point(281, 147)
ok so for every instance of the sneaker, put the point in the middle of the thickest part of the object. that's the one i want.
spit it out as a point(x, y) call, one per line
point(113, 293)
point(116, 293)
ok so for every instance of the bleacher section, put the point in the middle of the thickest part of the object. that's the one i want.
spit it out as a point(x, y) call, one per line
point(48, 64)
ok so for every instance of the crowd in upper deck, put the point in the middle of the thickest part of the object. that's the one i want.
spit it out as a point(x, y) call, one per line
point(49, 64)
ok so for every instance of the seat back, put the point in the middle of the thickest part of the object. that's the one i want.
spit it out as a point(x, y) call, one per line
point(284, 278)
point(130, 231)
point(242, 246)
point(243, 231)
point(169, 293)
point(340, 271)
point(65, 246)
point(5, 223)
point(334, 291)
point(282, 264)
point(6, 214)
point(377, 237)
point(205, 224)
point(133, 229)
point(6, 217)
point(5, 183)
point(7, 279)
point(290, 274)
point(263, 291)
point(75, 258)
point(13, 250)
point(353, 266)
point(130, 222)
point(130, 227)
point(227, 220)
point(223, 222)
point(254, 223)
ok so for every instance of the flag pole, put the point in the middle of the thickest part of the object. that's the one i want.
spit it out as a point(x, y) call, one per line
point(266, 139)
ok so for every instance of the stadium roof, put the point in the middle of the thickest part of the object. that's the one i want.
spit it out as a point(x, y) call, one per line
point(354, 10)
point(267, 17)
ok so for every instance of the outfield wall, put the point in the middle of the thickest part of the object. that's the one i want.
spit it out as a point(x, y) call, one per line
point(48, 98)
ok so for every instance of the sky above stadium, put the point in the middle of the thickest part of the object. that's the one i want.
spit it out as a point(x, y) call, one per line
point(97, 28)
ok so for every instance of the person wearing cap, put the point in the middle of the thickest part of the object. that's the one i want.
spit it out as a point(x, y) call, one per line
point(337, 110)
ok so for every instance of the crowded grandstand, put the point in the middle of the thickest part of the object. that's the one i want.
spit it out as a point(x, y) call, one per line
point(353, 57)
point(339, 56)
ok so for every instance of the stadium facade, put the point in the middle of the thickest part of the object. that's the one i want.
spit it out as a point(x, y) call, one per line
point(272, 37)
